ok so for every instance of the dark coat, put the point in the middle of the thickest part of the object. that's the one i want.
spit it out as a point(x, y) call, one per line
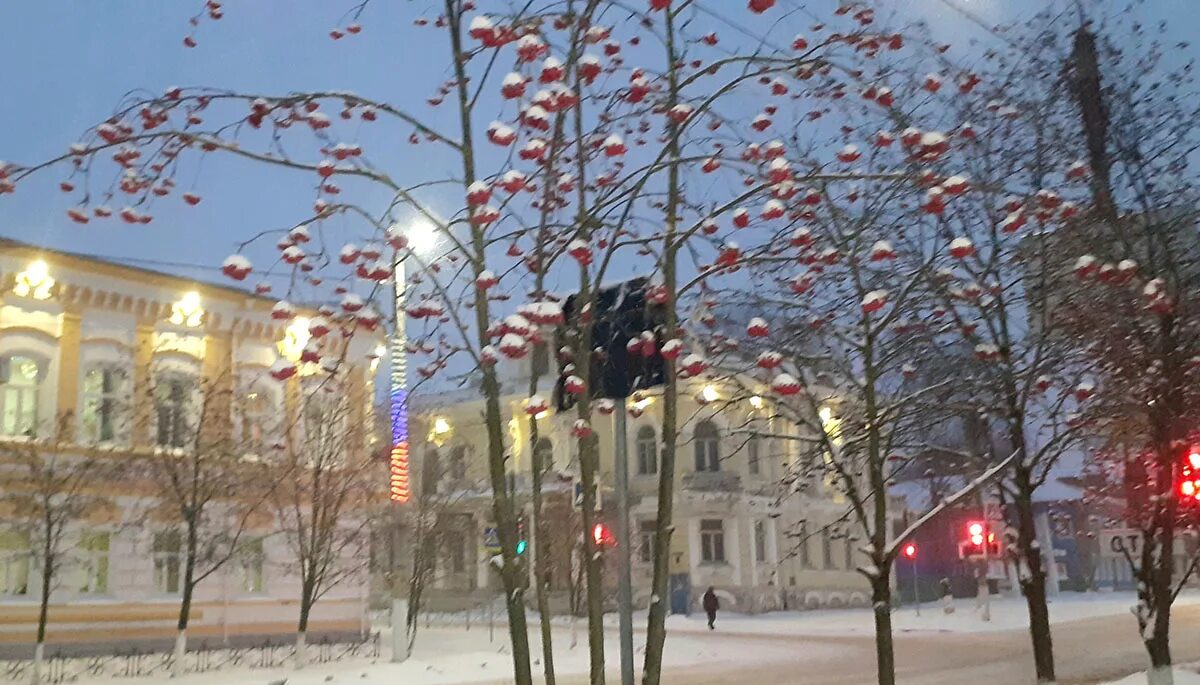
point(710, 602)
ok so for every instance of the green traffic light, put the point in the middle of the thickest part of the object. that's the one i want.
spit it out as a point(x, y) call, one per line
point(521, 547)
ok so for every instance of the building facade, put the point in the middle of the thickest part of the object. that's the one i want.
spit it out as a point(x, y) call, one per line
point(741, 525)
point(101, 358)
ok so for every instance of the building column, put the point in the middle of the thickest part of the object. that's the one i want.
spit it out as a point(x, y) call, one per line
point(69, 343)
point(217, 372)
point(754, 551)
point(358, 425)
point(733, 551)
point(693, 536)
point(143, 384)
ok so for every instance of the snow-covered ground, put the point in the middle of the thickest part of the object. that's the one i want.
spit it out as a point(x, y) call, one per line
point(445, 655)
point(1182, 677)
point(1007, 613)
point(448, 654)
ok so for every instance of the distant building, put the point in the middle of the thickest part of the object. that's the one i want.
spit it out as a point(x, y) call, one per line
point(89, 347)
point(737, 528)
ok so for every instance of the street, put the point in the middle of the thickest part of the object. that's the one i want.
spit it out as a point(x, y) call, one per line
point(1086, 651)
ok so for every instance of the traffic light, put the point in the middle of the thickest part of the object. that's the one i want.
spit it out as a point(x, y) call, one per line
point(909, 551)
point(522, 542)
point(602, 536)
point(980, 541)
point(1189, 476)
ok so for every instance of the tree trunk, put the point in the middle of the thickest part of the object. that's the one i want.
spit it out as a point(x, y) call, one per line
point(48, 567)
point(588, 458)
point(1033, 578)
point(306, 605)
point(881, 602)
point(656, 621)
point(540, 562)
point(185, 603)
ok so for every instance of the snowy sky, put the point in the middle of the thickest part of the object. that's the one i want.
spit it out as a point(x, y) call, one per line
point(68, 63)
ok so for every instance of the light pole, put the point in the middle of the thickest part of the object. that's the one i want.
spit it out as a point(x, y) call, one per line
point(420, 237)
point(910, 552)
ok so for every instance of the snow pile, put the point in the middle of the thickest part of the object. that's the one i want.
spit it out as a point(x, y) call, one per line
point(1182, 677)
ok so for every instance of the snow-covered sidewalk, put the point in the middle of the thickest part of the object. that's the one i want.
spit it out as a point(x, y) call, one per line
point(1007, 613)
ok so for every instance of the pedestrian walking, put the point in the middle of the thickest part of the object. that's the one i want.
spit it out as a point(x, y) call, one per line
point(711, 605)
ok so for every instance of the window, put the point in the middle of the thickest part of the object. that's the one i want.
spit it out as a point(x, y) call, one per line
point(20, 381)
point(173, 406)
point(167, 562)
point(103, 392)
point(708, 447)
point(760, 541)
point(647, 451)
point(456, 553)
point(14, 564)
point(93, 564)
point(805, 559)
point(250, 560)
point(545, 453)
point(458, 463)
point(256, 412)
point(826, 549)
point(849, 553)
point(647, 532)
point(753, 461)
point(712, 541)
point(431, 472)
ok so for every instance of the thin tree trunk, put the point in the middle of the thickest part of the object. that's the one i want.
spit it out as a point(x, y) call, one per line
point(503, 510)
point(306, 604)
point(39, 651)
point(881, 602)
point(185, 603)
point(656, 621)
point(1033, 578)
point(540, 563)
point(588, 458)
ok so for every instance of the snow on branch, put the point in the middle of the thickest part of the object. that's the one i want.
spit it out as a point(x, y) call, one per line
point(947, 502)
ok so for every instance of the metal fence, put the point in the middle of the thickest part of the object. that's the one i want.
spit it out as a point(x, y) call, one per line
point(61, 668)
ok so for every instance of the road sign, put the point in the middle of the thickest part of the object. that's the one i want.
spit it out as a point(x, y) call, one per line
point(578, 497)
point(491, 540)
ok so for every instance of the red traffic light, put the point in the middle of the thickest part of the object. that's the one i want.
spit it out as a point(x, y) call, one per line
point(910, 551)
point(601, 535)
point(1189, 475)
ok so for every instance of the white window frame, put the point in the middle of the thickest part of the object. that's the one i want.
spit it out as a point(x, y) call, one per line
point(21, 399)
point(707, 448)
point(94, 568)
point(646, 447)
point(16, 563)
point(164, 559)
point(111, 400)
point(712, 541)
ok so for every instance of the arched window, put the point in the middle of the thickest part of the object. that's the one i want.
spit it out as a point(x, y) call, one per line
point(174, 409)
point(646, 446)
point(545, 453)
point(103, 409)
point(431, 472)
point(707, 444)
point(20, 384)
point(458, 463)
point(257, 412)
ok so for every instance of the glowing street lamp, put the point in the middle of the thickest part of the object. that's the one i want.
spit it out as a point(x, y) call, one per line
point(422, 236)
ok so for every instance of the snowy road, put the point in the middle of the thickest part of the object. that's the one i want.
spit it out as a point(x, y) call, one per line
point(1087, 651)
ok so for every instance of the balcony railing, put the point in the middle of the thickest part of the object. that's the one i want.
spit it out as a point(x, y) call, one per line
point(712, 481)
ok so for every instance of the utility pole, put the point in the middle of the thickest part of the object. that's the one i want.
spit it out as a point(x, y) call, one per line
point(624, 556)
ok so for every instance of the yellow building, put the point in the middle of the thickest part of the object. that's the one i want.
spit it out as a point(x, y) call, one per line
point(103, 357)
point(740, 526)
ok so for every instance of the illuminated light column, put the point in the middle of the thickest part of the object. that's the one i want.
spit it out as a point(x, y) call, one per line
point(421, 237)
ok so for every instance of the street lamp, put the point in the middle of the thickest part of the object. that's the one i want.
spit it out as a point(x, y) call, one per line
point(421, 236)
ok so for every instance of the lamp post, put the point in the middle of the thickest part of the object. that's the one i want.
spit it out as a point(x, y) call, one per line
point(421, 237)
